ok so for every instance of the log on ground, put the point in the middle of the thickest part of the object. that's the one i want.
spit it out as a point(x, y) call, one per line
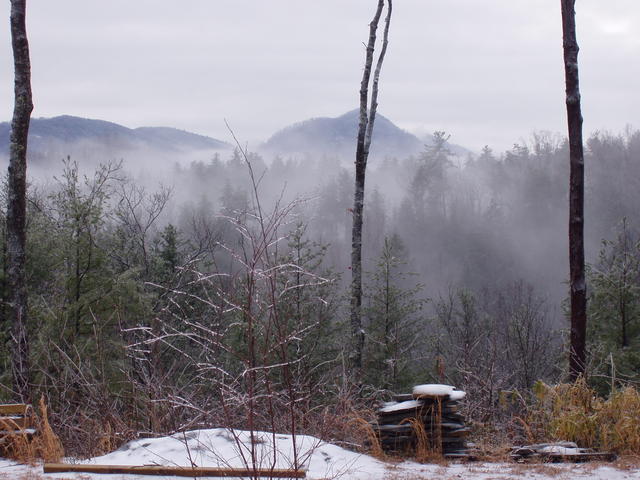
point(176, 471)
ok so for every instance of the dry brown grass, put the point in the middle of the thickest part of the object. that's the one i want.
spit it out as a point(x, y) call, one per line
point(428, 450)
point(48, 445)
point(19, 447)
point(43, 445)
point(366, 431)
point(574, 412)
point(620, 414)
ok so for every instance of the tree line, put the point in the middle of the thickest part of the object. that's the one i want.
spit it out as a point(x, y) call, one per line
point(133, 318)
point(143, 304)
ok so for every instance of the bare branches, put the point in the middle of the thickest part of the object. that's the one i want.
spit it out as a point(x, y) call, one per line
point(376, 79)
point(237, 330)
point(365, 130)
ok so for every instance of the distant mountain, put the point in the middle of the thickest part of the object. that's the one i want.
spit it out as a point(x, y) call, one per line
point(179, 139)
point(337, 136)
point(59, 136)
point(93, 141)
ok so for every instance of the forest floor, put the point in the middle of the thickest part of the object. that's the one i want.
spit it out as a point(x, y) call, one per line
point(221, 448)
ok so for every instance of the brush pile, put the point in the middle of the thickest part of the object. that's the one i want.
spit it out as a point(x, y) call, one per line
point(426, 422)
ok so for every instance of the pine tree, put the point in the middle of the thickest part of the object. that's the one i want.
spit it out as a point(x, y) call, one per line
point(395, 320)
point(614, 308)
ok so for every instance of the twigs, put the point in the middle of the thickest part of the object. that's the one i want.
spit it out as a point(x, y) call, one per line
point(241, 340)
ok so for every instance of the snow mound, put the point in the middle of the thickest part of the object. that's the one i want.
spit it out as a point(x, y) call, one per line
point(323, 461)
point(438, 390)
point(220, 447)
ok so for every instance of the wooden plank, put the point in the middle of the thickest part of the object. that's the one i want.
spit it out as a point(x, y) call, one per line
point(29, 432)
point(403, 397)
point(582, 457)
point(13, 409)
point(524, 455)
point(176, 471)
point(13, 423)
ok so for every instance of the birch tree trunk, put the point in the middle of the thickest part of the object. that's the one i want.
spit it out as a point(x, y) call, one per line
point(365, 130)
point(577, 355)
point(16, 203)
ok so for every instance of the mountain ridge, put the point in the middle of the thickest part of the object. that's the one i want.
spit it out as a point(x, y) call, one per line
point(66, 134)
point(337, 135)
point(50, 134)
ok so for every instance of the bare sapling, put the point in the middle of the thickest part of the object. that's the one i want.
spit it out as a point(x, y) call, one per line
point(367, 116)
point(241, 349)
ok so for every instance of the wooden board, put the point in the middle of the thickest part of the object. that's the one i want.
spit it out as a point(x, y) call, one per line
point(575, 458)
point(176, 471)
point(403, 397)
point(13, 423)
point(582, 457)
point(13, 409)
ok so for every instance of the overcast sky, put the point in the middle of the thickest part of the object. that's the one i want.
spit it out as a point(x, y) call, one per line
point(487, 72)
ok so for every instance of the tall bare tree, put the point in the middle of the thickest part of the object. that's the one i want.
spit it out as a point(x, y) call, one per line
point(365, 130)
point(16, 207)
point(578, 287)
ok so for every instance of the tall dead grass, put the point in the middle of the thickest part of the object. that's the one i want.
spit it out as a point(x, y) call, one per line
point(363, 429)
point(44, 444)
point(576, 413)
point(427, 449)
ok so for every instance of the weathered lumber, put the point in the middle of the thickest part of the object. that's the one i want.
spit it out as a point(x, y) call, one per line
point(14, 409)
point(573, 457)
point(403, 397)
point(437, 416)
point(176, 471)
point(559, 452)
point(581, 457)
point(14, 423)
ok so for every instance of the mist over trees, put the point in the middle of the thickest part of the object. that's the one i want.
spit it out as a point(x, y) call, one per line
point(138, 292)
point(255, 290)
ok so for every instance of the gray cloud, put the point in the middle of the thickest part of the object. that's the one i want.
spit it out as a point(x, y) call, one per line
point(488, 72)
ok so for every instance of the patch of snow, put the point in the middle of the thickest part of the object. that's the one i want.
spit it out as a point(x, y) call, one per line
point(232, 449)
point(398, 406)
point(560, 450)
point(438, 390)
point(457, 395)
point(219, 447)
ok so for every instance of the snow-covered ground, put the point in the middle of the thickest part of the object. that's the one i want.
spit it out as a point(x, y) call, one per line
point(221, 448)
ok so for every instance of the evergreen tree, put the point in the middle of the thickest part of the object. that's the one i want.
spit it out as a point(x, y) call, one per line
point(395, 321)
point(615, 309)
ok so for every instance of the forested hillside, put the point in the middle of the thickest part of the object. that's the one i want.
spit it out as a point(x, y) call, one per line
point(149, 302)
point(345, 284)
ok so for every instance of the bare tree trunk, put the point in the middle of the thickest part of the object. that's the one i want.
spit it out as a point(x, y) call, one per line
point(577, 355)
point(16, 205)
point(365, 130)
